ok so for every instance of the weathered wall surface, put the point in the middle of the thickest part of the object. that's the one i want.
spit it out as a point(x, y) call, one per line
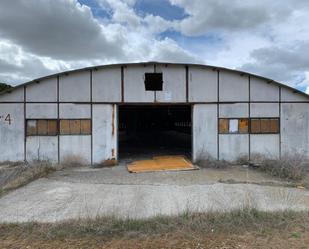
point(42, 148)
point(295, 128)
point(134, 87)
point(12, 132)
point(105, 122)
point(233, 146)
point(106, 85)
point(203, 85)
point(75, 87)
point(48, 87)
point(205, 130)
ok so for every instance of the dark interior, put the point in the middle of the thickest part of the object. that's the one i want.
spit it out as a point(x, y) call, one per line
point(151, 130)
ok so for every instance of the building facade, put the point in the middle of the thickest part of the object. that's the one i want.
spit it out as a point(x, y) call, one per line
point(233, 114)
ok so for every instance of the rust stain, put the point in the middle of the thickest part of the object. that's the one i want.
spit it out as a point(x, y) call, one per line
point(113, 121)
point(107, 163)
point(113, 153)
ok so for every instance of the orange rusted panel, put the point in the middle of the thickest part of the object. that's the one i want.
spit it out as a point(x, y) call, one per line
point(42, 127)
point(52, 127)
point(274, 125)
point(85, 126)
point(64, 127)
point(243, 125)
point(161, 163)
point(255, 126)
point(223, 125)
point(265, 125)
point(75, 126)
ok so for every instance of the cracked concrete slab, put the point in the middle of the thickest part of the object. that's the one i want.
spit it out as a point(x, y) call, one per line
point(87, 193)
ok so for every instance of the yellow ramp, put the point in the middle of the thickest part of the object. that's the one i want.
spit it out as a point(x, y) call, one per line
point(161, 163)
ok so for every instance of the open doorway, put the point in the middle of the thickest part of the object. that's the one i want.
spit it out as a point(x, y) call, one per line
point(146, 131)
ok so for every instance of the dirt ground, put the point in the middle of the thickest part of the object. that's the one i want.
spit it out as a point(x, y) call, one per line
point(282, 240)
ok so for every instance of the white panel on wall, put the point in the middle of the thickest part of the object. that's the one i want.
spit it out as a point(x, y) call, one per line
point(75, 148)
point(233, 146)
point(134, 86)
point(290, 95)
point(42, 91)
point(239, 110)
point(295, 128)
point(266, 145)
point(233, 86)
point(203, 84)
point(261, 90)
point(264, 110)
point(41, 111)
point(75, 87)
point(174, 84)
point(205, 130)
point(16, 95)
point(42, 148)
point(77, 111)
point(106, 85)
point(12, 130)
point(105, 122)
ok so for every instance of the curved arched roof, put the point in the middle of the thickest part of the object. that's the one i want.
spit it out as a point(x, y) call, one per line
point(153, 63)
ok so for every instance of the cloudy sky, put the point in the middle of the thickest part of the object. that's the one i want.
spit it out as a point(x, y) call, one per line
point(269, 38)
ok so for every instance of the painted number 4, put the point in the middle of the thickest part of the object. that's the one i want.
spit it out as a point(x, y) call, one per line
point(8, 119)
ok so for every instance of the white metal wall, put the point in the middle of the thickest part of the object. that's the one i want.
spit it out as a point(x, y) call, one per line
point(93, 94)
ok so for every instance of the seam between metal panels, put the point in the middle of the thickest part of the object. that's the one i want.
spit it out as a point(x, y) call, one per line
point(91, 117)
point(218, 98)
point(58, 123)
point(249, 114)
point(280, 122)
point(25, 127)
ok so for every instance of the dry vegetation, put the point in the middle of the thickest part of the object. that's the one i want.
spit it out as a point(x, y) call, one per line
point(16, 175)
point(290, 167)
point(247, 228)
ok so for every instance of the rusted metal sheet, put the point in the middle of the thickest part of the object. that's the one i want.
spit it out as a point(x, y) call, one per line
point(243, 125)
point(161, 163)
point(223, 125)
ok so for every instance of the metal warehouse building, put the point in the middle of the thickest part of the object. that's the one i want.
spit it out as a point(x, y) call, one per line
point(103, 114)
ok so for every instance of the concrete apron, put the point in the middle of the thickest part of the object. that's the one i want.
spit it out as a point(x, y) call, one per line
point(48, 200)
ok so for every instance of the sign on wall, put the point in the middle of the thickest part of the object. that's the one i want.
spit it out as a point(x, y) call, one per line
point(6, 118)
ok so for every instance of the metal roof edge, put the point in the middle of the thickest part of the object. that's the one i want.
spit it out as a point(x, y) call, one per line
point(147, 63)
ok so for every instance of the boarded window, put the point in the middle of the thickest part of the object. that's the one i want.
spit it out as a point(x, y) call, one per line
point(274, 125)
point(31, 128)
point(64, 127)
point(75, 127)
point(243, 125)
point(52, 128)
point(223, 125)
point(85, 126)
point(42, 127)
point(264, 125)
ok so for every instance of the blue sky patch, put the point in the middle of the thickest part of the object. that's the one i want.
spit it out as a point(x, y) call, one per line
point(162, 8)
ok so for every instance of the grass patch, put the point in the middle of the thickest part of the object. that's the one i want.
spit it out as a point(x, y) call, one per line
point(13, 178)
point(235, 222)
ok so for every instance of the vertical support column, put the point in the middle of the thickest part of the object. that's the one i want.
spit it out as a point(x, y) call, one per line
point(58, 120)
point(122, 84)
point(249, 120)
point(187, 84)
point(218, 101)
point(280, 122)
point(25, 125)
point(91, 111)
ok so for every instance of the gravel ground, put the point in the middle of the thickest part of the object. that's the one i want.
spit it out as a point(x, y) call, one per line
point(85, 192)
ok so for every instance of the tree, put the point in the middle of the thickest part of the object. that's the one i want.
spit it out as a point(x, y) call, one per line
point(4, 86)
